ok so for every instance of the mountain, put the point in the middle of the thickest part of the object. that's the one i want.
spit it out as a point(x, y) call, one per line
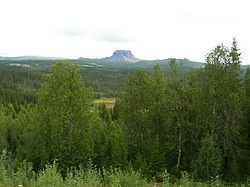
point(119, 59)
point(123, 59)
point(122, 55)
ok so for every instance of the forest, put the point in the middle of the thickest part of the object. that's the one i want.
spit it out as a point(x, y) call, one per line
point(167, 128)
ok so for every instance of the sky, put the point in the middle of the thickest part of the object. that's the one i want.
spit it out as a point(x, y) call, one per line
point(151, 29)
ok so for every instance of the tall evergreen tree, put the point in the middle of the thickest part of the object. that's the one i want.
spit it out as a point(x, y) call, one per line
point(219, 105)
point(247, 113)
point(64, 117)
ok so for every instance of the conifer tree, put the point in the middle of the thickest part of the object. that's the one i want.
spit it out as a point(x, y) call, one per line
point(219, 105)
point(64, 117)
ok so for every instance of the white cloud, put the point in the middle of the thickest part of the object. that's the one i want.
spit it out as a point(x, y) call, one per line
point(112, 36)
point(152, 29)
point(72, 32)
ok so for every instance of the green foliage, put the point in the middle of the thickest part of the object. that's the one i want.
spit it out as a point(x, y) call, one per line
point(104, 113)
point(216, 181)
point(185, 179)
point(64, 118)
point(192, 123)
point(166, 179)
point(247, 114)
point(110, 142)
point(3, 140)
point(198, 123)
point(90, 176)
point(209, 160)
point(25, 175)
point(145, 132)
point(50, 176)
point(6, 166)
point(18, 85)
point(117, 177)
point(220, 106)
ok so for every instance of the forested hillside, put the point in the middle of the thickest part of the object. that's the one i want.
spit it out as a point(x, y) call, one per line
point(166, 127)
point(20, 79)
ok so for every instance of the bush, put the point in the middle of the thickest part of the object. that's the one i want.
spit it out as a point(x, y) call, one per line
point(50, 176)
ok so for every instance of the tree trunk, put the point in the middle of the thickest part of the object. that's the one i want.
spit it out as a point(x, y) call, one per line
point(179, 152)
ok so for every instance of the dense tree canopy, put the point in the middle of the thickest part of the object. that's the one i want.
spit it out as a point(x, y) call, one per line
point(198, 123)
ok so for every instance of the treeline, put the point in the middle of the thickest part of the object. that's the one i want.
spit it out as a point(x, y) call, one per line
point(18, 85)
point(20, 80)
point(198, 123)
point(105, 82)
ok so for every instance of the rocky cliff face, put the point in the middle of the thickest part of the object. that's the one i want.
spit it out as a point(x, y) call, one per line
point(123, 55)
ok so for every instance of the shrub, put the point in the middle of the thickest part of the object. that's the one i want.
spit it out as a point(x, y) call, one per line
point(50, 176)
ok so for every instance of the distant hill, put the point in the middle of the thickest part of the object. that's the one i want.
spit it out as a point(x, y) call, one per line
point(119, 59)
point(165, 63)
point(148, 64)
point(30, 58)
point(125, 59)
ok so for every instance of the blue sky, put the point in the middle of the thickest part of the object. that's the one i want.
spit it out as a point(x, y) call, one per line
point(152, 29)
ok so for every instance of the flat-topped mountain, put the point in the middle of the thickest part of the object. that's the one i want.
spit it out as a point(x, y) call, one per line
point(119, 59)
point(122, 55)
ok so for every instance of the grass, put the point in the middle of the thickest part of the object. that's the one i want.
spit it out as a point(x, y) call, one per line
point(92, 177)
point(109, 102)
